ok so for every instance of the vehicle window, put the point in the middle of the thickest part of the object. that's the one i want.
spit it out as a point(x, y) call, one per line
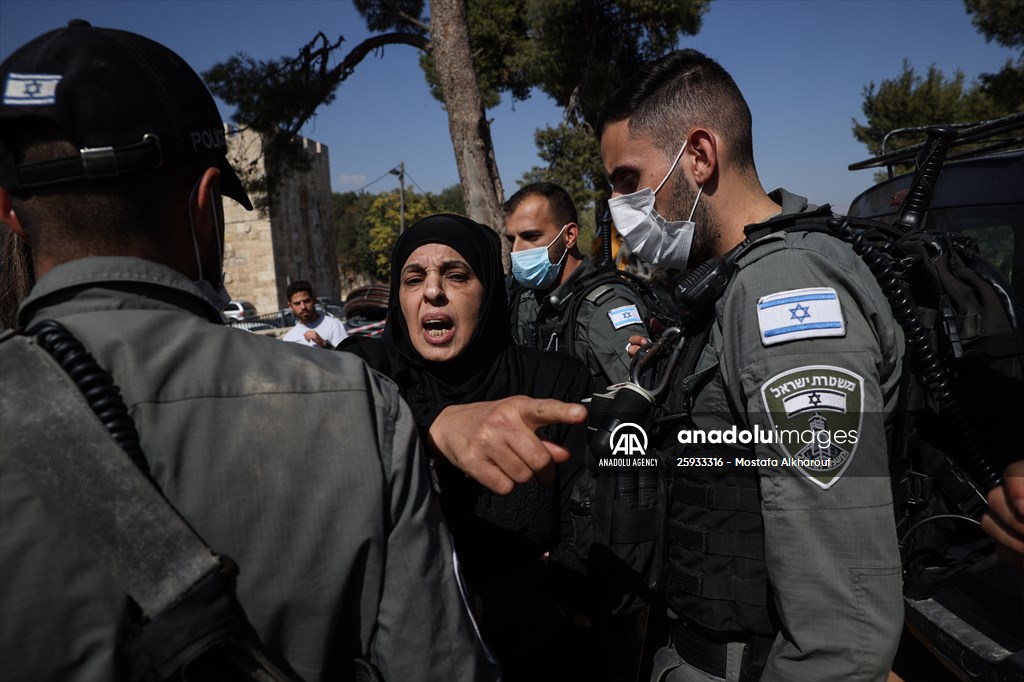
point(999, 231)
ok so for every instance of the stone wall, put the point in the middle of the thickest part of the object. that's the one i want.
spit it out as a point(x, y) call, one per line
point(297, 240)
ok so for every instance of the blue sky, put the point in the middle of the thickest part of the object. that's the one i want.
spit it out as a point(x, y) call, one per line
point(802, 64)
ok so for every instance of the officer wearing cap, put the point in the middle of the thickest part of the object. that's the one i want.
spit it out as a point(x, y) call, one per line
point(112, 168)
point(558, 303)
point(781, 552)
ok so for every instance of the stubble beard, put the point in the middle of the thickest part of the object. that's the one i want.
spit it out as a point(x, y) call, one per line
point(706, 233)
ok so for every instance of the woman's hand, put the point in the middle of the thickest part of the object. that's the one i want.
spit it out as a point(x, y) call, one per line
point(495, 442)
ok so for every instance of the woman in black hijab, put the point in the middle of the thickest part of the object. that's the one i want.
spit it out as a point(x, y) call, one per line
point(448, 341)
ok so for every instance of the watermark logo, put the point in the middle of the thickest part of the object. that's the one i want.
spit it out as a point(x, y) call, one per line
point(629, 440)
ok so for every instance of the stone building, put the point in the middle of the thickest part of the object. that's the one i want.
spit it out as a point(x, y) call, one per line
point(295, 240)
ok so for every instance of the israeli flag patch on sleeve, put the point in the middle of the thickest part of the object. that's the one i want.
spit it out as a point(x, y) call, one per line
point(800, 314)
point(31, 88)
point(624, 316)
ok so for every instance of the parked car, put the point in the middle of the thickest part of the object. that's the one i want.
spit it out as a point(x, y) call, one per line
point(974, 624)
point(239, 310)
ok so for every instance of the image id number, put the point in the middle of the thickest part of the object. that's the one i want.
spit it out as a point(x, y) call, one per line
point(699, 462)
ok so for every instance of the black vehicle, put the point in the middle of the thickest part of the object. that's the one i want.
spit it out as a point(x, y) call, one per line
point(980, 193)
point(974, 625)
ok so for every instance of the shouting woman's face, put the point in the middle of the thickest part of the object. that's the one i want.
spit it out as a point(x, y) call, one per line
point(441, 298)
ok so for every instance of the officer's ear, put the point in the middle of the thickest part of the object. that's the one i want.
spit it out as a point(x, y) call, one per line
point(205, 214)
point(9, 217)
point(572, 233)
point(701, 155)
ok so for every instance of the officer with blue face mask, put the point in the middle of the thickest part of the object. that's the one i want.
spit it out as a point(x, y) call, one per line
point(552, 302)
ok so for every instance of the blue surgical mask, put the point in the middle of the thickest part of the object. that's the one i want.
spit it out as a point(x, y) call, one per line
point(647, 233)
point(533, 269)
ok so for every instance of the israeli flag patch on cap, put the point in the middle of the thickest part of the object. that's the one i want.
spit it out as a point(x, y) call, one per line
point(624, 316)
point(31, 88)
point(800, 314)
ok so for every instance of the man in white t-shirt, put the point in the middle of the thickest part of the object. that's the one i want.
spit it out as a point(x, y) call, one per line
point(311, 328)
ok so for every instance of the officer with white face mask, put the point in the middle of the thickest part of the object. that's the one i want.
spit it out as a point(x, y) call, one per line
point(772, 568)
point(648, 234)
point(556, 300)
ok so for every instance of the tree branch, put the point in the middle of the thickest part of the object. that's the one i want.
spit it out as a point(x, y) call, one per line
point(313, 59)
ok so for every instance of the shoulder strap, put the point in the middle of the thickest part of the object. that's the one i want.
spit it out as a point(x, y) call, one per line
point(788, 221)
point(160, 561)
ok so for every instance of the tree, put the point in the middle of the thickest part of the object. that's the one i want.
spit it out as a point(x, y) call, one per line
point(912, 101)
point(357, 213)
point(573, 160)
point(354, 255)
point(382, 219)
point(1002, 21)
point(576, 51)
point(277, 97)
point(467, 121)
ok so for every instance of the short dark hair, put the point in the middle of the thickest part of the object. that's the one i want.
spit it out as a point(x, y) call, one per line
point(297, 286)
point(129, 214)
point(680, 90)
point(558, 200)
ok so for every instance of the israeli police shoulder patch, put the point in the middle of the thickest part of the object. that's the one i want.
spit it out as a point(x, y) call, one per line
point(816, 413)
point(800, 314)
point(624, 316)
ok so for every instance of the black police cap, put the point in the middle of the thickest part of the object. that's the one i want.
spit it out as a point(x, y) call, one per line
point(129, 103)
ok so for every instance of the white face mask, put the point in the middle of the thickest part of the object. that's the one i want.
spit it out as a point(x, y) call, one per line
point(218, 295)
point(646, 233)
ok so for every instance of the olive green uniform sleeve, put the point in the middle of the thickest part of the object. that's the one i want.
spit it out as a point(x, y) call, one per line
point(830, 542)
point(599, 343)
point(421, 583)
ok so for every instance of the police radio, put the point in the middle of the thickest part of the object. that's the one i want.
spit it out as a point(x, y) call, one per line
point(706, 283)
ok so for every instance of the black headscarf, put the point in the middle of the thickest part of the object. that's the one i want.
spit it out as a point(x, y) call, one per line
point(494, 534)
point(488, 368)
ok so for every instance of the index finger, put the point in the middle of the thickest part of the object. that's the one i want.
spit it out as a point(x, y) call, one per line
point(538, 412)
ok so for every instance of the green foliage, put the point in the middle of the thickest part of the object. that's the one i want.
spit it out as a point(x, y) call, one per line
point(581, 52)
point(1002, 21)
point(573, 158)
point(275, 98)
point(393, 15)
point(575, 51)
point(350, 209)
point(500, 40)
point(384, 219)
point(367, 224)
point(1006, 87)
point(912, 100)
point(449, 200)
point(999, 20)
